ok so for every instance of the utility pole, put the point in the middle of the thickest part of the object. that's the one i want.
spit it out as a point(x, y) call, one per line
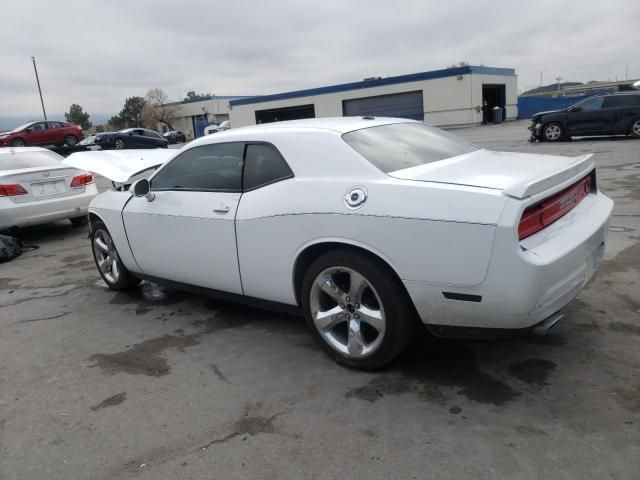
point(39, 89)
point(540, 78)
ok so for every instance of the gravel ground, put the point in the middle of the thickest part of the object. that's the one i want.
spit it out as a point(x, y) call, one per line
point(160, 384)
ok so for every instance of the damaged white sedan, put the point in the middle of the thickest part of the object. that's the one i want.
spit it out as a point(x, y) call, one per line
point(370, 226)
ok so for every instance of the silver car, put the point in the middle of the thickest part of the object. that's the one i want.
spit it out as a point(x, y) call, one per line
point(35, 188)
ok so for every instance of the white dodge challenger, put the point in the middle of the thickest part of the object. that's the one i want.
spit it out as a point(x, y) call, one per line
point(367, 225)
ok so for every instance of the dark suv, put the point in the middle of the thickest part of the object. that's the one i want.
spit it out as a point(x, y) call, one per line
point(616, 114)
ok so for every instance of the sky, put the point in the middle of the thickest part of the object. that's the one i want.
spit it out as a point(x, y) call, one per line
point(98, 52)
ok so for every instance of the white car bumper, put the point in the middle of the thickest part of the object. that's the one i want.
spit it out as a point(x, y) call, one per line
point(528, 281)
point(44, 211)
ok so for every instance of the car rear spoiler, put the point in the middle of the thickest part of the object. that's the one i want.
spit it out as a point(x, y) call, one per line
point(119, 165)
point(579, 167)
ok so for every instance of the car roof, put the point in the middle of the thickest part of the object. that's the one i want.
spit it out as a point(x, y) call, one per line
point(615, 94)
point(339, 125)
point(336, 124)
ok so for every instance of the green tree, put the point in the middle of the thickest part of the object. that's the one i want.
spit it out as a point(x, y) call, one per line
point(193, 96)
point(77, 116)
point(115, 123)
point(131, 113)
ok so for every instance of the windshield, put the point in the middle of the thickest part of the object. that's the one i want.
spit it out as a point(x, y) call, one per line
point(588, 101)
point(21, 127)
point(90, 140)
point(404, 145)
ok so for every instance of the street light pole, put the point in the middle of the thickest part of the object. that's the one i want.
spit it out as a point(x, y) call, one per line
point(559, 79)
point(39, 89)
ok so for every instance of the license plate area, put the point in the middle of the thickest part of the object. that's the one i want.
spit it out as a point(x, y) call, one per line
point(48, 189)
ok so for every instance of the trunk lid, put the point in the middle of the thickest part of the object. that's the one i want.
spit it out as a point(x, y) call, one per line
point(42, 183)
point(119, 165)
point(518, 175)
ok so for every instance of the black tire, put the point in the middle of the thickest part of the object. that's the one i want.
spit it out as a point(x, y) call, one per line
point(634, 131)
point(126, 280)
point(17, 142)
point(400, 315)
point(79, 221)
point(70, 140)
point(119, 144)
point(553, 132)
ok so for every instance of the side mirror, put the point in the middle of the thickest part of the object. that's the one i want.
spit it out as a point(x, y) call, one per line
point(142, 188)
point(130, 133)
point(575, 109)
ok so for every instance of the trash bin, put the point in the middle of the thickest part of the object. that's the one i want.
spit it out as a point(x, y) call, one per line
point(496, 115)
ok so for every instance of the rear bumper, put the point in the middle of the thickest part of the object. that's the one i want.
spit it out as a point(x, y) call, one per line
point(44, 211)
point(529, 281)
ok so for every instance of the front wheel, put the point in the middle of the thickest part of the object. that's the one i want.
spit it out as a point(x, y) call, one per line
point(552, 132)
point(70, 140)
point(635, 128)
point(357, 309)
point(17, 142)
point(119, 144)
point(111, 268)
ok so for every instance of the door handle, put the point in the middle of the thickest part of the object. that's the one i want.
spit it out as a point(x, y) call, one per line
point(222, 208)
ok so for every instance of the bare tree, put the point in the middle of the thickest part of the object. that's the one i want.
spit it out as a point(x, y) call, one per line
point(158, 108)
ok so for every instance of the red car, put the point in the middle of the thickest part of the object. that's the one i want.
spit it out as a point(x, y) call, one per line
point(42, 133)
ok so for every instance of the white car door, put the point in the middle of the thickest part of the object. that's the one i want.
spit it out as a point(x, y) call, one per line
point(187, 232)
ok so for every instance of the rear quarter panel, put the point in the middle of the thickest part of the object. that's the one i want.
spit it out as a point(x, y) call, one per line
point(425, 232)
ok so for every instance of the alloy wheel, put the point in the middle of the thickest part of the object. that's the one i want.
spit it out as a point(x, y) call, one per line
point(636, 128)
point(106, 256)
point(18, 142)
point(119, 144)
point(552, 132)
point(347, 312)
point(70, 140)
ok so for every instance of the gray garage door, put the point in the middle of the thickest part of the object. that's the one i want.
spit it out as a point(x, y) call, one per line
point(402, 105)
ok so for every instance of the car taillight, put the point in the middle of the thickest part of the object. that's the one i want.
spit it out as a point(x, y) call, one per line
point(12, 190)
point(543, 214)
point(82, 180)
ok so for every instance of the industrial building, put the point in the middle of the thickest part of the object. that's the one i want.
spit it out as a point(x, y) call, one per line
point(452, 96)
point(192, 116)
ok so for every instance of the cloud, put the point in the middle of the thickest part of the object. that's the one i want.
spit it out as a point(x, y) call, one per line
point(96, 53)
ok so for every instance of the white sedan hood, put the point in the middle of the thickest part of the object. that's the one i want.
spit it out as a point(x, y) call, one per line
point(119, 165)
point(516, 174)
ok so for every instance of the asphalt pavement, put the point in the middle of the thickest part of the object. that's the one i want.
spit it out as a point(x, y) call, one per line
point(161, 384)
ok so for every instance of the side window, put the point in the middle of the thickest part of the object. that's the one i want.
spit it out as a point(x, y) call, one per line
point(617, 101)
point(152, 134)
point(37, 127)
point(592, 104)
point(264, 165)
point(55, 125)
point(216, 167)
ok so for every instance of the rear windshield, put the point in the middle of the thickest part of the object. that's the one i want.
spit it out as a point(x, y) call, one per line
point(404, 145)
point(15, 161)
